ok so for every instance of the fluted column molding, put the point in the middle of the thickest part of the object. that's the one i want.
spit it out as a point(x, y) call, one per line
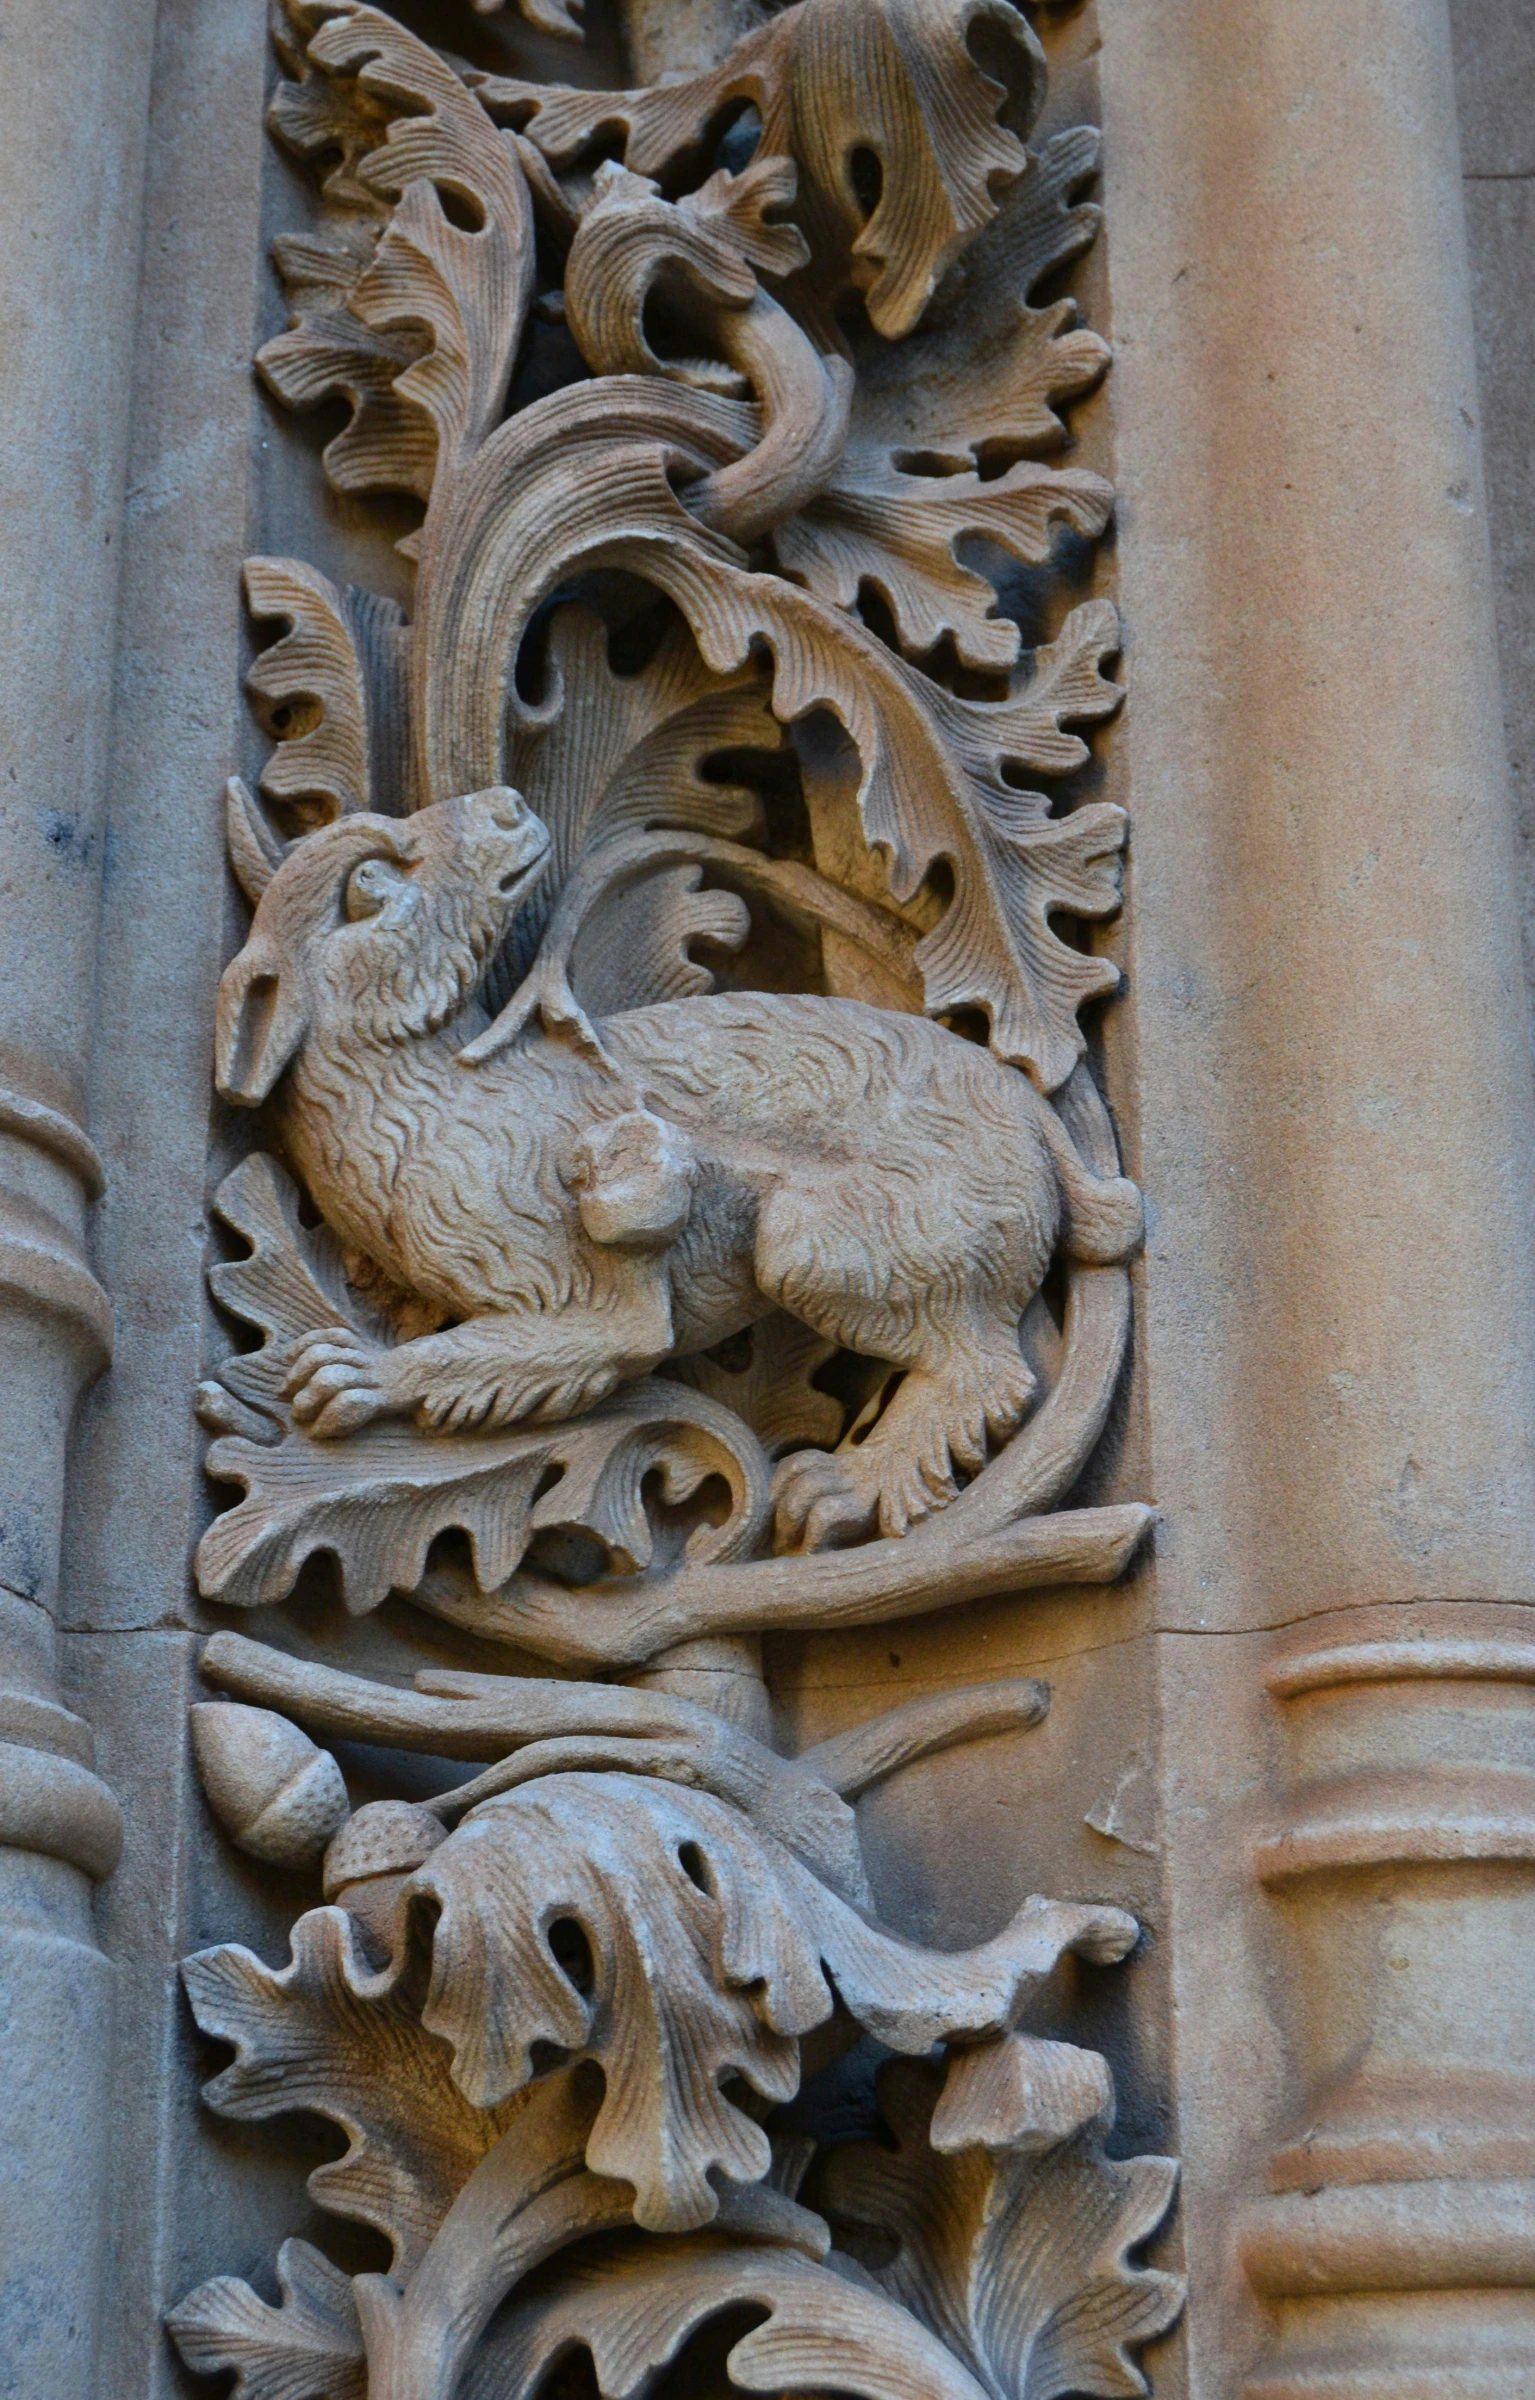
point(1337, 1145)
point(73, 109)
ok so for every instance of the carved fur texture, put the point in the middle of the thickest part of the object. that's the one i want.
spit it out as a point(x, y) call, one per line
point(581, 1212)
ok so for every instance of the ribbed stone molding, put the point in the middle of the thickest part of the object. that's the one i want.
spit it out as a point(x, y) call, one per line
point(1335, 1107)
point(1405, 1868)
point(73, 106)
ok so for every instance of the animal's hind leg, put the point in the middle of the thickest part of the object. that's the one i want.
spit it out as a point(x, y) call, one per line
point(932, 1274)
point(938, 1424)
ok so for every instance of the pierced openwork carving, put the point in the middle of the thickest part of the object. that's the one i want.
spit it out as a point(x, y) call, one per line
point(655, 987)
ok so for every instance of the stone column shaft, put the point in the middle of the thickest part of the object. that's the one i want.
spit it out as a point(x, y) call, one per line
point(1336, 1130)
point(73, 103)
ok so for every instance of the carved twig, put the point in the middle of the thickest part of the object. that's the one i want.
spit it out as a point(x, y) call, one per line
point(854, 1762)
point(555, 1727)
point(808, 900)
point(934, 1566)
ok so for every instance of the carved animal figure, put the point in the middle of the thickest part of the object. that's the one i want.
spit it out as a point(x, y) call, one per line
point(579, 1220)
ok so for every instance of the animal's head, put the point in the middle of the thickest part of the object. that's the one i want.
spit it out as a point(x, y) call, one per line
point(380, 927)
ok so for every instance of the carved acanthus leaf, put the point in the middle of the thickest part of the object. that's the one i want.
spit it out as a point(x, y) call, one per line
point(712, 1951)
point(607, 753)
point(312, 671)
point(937, 772)
point(983, 380)
point(293, 1280)
point(418, 324)
point(378, 1502)
point(328, 2033)
point(895, 83)
point(325, 119)
point(1019, 2262)
point(902, 533)
point(308, 2348)
point(977, 387)
point(826, 2329)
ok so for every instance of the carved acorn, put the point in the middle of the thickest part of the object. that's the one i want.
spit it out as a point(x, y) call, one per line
point(277, 1795)
point(374, 1852)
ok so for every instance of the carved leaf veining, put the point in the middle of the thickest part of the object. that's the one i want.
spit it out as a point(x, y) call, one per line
point(378, 1502)
point(310, 2347)
point(1018, 2260)
point(825, 2328)
point(607, 754)
point(555, 1159)
point(415, 316)
point(712, 1951)
point(896, 83)
point(328, 2033)
point(985, 377)
point(903, 534)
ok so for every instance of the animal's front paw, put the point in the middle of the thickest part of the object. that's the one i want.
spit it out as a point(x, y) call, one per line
point(818, 1504)
point(338, 1383)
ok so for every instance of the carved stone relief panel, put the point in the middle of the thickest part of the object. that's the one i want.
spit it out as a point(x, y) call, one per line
point(680, 1208)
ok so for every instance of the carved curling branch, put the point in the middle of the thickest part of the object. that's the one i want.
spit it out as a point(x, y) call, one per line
point(652, 986)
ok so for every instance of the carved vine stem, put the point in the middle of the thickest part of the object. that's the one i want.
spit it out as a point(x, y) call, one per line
point(663, 992)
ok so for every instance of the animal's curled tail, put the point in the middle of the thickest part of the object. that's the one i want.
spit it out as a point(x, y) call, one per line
point(1104, 1217)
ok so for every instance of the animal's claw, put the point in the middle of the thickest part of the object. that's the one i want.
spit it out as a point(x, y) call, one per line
point(817, 1504)
point(335, 1383)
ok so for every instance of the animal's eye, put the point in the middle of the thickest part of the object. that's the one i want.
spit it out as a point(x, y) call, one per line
point(370, 886)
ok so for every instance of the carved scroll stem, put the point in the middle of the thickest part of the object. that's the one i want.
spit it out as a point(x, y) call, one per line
point(984, 1543)
point(938, 1565)
point(805, 401)
point(453, 1714)
point(530, 2195)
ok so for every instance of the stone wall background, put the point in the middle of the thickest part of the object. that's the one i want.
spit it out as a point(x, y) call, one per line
point(1160, 1707)
point(1495, 95)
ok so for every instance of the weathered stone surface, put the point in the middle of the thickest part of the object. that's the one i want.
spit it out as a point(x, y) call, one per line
point(1291, 1744)
point(1495, 87)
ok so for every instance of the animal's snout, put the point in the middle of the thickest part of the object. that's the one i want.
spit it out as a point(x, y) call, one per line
point(515, 838)
point(501, 810)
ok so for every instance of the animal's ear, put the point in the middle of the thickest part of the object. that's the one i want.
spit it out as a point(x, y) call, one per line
point(258, 1028)
point(255, 852)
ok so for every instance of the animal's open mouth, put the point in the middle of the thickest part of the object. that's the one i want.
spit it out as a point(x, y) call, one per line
point(517, 879)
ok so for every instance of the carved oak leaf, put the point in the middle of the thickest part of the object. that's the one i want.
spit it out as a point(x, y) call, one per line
point(328, 2033)
point(1019, 2263)
point(937, 773)
point(420, 323)
point(308, 2348)
point(771, 1387)
point(891, 83)
point(826, 2330)
point(470, 2201)
point(983, 379)
point(712, 1950)
point(378, 1501)
point(607, 753)
point(902, 533)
